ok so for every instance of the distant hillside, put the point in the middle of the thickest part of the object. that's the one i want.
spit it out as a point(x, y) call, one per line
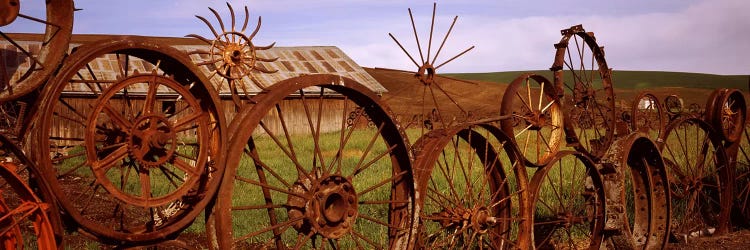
point(624, 79)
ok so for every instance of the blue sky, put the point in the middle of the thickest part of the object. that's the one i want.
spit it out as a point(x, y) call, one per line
point(708, 36)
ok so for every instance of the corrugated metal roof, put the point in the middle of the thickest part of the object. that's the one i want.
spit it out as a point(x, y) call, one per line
point(292, 62)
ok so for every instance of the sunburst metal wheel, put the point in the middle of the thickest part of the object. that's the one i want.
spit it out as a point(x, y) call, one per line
point(699, 179)
point(300, 176)
point(568, 203)
point(472, 194)
point(584, 81)
point(36, 60)
point(537, 118)
point(133, 144)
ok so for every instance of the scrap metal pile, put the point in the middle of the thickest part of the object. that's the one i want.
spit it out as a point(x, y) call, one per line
point(134, 157)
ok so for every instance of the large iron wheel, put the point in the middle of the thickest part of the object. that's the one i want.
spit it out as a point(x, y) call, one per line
point(742, 175)
point(36, 60)
point(300, 176)
point(472, 194)
point(699, 179)
point(584, 81)
point(568, 204)
point(648, 115)
point(132, 147)
point(727, 112)
point(532, 100)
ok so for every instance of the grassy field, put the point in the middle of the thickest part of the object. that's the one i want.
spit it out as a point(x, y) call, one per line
point(625, 79)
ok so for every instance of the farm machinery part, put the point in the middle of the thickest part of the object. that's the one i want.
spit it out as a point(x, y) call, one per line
point(700, 179)
point(584, 83)
point(141, 142)
point(232, 55)
point(537, 118)
point(471, 194)
point(637, 194)
point(648, 116)
point(304, 182)
point(41, 58)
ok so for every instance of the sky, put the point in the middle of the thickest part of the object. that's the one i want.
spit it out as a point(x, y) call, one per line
point(705, 36)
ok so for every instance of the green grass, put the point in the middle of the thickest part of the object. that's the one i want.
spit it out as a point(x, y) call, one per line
point(625, 79)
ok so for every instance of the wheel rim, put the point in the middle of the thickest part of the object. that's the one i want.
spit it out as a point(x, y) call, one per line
point(308, 192)
point(43, 56)
point(575, 220)
point(584, 80)
point(539, 118)
point(139, 146)
point(469, 201)
point(699, 176)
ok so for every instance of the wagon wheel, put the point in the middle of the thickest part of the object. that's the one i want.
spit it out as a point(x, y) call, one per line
point(695, 110)
point(473, 196)
point(532, 99)
point(141, 146)
point(648, 115)
point(645, 196)
point(568, 203)
point(23, 216)
point(728, 113)
point(299, 177)
point(232, 54)
point(36, 60)
point(673, 105)
point(699, 176)
point(438, 105)
point(584, 79)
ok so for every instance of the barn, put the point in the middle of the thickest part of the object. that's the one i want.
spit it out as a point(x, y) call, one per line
point(291, 62)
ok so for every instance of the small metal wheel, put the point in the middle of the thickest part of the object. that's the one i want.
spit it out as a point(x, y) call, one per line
point(673, 105)
point(533, 101)
point(133, 144)
point(568, 203)
point(33, 62)
point(584, 82)
point(648, 115)
point(232, 54)
point(298, 176)
point(699, 179)
point(644, 221)
point(727, 113)
point(472, 195)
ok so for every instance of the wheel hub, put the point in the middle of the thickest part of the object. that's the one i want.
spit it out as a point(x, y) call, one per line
point(152, 140)
point(536, 120)
point(426, 74)
point(479, 218)
point(233, 55)
point(329, 209)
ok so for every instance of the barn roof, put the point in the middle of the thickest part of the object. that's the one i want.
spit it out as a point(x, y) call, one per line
point(292, 61)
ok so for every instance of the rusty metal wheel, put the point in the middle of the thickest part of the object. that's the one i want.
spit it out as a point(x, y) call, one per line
point(472, 194)
point(584, 82)
point(138, 138)
point(532, 99)
point(699, 179)
point(637, 193)
point(33, 62)
point(23, 216)
point(741, 153)
point(568, 203)
point(727, 113)
point(673, 105)
point(648, 115)
point(299, 177)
